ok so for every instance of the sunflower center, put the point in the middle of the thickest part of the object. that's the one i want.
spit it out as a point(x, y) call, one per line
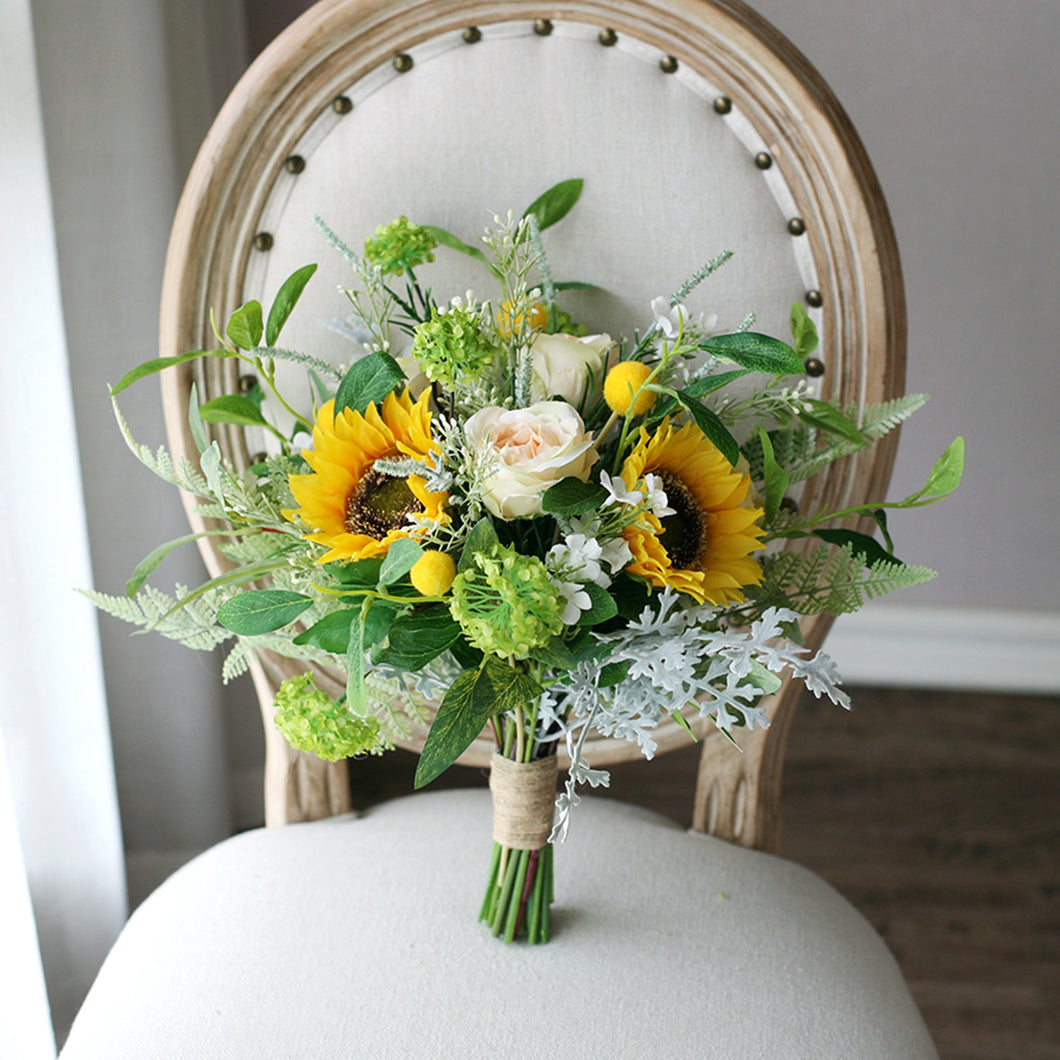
point(685, 532)
point(380, 503)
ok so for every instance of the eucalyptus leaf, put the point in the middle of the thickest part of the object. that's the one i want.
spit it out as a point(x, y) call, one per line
point(870, 550)
point(756, 352)
point(356, 692)
point(775, 478)
point(447, 239)
point(473, 698)
point(245, 325)
point(708, 422)
point(286, 299)
point(160, 364)
point(401, 557)
point(556, 203)
point(195, 424)
point(709, 383)
point(232, 408)
point(368, 380)
point(803, 332)
point(259, 611)
point(828, 418)
point(571, 496)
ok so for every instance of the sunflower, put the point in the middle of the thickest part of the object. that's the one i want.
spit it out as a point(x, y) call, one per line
point(703, 548)
point(356, 510)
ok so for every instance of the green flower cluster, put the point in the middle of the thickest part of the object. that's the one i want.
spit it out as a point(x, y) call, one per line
point(506, 603)
point(400, 245)
point(312, 722)
point(453, 344)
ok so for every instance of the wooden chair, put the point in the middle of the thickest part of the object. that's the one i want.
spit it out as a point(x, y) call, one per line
point(697, 128)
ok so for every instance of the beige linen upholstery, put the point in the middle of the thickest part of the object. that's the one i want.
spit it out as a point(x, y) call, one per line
point(355, 937)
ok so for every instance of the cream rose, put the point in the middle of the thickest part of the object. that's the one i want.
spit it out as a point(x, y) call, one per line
point(562, 365)
point(534, 448)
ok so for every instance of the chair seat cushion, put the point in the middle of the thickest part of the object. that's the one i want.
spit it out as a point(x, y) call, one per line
point(357, 936)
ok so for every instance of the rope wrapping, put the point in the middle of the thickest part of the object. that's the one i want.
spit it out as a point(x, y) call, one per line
point(524, 798)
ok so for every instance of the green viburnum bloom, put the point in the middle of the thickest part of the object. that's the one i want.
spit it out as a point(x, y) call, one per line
point(311, 721)
point(453, 344)
point(506, 603)
point(400, 245)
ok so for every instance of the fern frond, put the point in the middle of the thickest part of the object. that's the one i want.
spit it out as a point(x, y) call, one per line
point(160, 462)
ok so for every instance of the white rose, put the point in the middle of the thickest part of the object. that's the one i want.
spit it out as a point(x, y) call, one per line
point(534, 448)
point(562, 365)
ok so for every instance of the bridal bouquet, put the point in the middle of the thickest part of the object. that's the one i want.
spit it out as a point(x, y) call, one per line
point(493, 517)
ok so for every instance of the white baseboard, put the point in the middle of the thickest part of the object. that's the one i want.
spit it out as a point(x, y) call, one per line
point(958, 648)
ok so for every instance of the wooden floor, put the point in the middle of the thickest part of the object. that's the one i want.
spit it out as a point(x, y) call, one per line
point(938, 816)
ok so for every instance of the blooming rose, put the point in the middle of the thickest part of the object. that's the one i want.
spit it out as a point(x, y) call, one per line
point(534, 448)
point(562, 364)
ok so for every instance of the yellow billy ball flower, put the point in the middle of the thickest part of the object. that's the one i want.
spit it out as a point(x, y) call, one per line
point(622, 383)
point(433, 573)
point(510, 319)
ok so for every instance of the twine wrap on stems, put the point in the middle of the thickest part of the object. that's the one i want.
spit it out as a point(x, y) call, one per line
point(524, 800)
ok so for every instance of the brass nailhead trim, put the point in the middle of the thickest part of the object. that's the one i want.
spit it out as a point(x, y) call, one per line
point(668, 64)
point(796, 226)
point(763, 160)
point(608, 37)
point(814, 299)
point(472, 35)
point(342, 105)
point(403, 63)
point(263, 241)
point(542, 27)
point(247, 383)
point(723, 104)
point(294, 164)
point(814, 367)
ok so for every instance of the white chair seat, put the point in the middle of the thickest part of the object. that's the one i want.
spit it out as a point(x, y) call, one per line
point(356, 937)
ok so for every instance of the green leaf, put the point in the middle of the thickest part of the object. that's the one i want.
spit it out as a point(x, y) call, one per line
point(709, 383)
point(473, 698)
point(378, 620)
point(868, 548)
point(708, 422)
point(356, 693)
point(613, 673)
point(361, 573)
point(946, 473)
point(400, 559)
point(482, 538)
point(575, 285)
point(286, 299)
point(555, 654)
point(416, 639)
point(555, 203)
point(261, 610)
point(160, 364)
point(631, 596)
point(775, 477)
point(764, 680)
point(150, 563)
point(232, 408)
point(447, 239)
point(198, 431)
point(603, 606)
point(368, 380)
point(826, 417)
point(755, 352)
point(245, 326)
point(683, 722)
point(331, 633)
point(571, 496)
point(803, 332)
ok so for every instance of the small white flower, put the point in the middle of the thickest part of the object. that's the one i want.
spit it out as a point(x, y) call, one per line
point(672, 320)
point(617, 492)
point(657, 500)
point(576, 600)
point(616, 554)
point(579, 555)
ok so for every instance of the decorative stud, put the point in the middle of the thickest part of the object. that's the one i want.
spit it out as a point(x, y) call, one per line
point(608, 37)
point(814, 299)
point(403, 63)
point(789, 504)
point(247, 383)
point(263, 241)
point(723, 104)
point(259, 458)
point(542, 27)
point(763, 160)
point(796, 226)
point(668, 64)
point(814, 367)
point(342, 104)
point(472, 35)
point(294, 164)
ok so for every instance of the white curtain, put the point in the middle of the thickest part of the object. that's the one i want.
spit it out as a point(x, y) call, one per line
point(101, 104)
